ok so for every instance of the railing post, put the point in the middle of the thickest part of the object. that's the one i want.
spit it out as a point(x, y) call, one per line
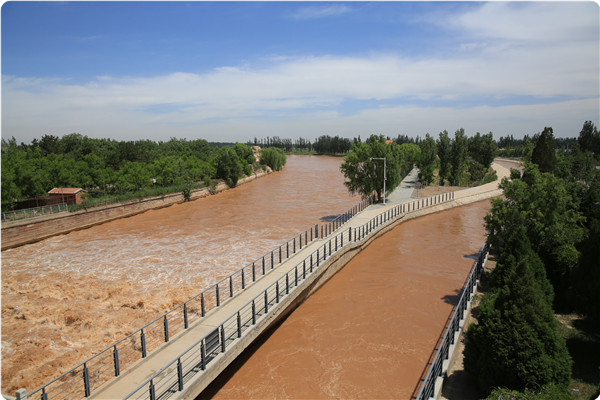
point(295, 243)
point(287, 284)
point(266, 302)
point(202, 303)
point(277, 292)
point(253, 313)
point(152, 394)
point(279, 255)
point(116, 360)
point(179, 375)
point(311, 264)
point(296, 275)
point(230, 286)
point(317, 257)
point(304, 269)
point(86, 380)
point(272, 261)
point(222, 339)
point(185, 316)
point(239, 325)
point(202, 356)
point(217, 293)
point(243, 282)
point(254, 271)
point(143, 343)
point(166, 327)
point(287, 250)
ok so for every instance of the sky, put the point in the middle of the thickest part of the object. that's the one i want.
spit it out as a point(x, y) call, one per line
point(232, 71)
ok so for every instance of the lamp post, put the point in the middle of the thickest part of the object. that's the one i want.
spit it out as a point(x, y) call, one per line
point(384, 174)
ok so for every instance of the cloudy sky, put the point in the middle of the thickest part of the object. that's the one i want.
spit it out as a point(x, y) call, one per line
point(230, 71)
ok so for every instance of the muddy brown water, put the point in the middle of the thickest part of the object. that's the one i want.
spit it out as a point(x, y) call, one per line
point(70, 296)
point(370, 330)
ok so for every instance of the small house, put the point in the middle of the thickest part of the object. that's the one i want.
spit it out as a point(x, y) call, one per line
point(66, 195)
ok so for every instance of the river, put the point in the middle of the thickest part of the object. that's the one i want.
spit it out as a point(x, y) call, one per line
point(370, 330)
point(70, 296)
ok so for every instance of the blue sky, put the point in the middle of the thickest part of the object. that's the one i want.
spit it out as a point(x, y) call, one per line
point(230, 71)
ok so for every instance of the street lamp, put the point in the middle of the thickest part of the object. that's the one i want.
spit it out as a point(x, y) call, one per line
point(384, 175)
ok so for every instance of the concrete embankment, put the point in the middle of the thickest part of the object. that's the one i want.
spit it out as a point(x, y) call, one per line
point(27, 231)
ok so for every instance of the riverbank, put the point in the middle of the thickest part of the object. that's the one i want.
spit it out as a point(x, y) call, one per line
point(21, 232)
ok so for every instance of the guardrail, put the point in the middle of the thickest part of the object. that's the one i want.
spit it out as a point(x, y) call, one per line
point(435, 371)
point(34, 212)
point(172, 377)
point(82, 379)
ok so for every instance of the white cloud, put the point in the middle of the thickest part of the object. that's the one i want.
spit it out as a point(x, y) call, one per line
point(314, 12)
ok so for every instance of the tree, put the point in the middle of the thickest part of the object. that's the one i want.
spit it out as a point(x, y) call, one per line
point(516, 341)
point(427, 160)
point(365, 176)
point(229, 167)
point(589, 138)
point(273, 157)
point(444, 154)
point(544, 152)
point(483, 149)
point(458, 156)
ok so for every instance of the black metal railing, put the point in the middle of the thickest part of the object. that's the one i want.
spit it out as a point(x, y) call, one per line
point(427, 388)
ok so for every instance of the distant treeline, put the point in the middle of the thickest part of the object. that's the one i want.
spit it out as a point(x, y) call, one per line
point(125, 169)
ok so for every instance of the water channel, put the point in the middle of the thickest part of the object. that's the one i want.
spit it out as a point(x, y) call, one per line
point(70, 296)
point(370, 330)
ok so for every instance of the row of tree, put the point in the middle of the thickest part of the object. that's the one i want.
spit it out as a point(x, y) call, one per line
point(546, 233)
point(325, 144)
point(103, 166)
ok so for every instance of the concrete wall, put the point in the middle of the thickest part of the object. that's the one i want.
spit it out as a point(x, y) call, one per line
point(25, 231)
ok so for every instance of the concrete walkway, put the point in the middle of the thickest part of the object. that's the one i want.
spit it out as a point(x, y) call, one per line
point(128, 381)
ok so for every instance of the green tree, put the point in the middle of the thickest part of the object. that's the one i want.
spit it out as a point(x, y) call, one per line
point(458, 156)
point(427, 160)
point(516, 341)
point(273, 157)
point(544, 152)
point(483, 149)
point(365, 176)
point(589, 138)
point(444, 153)
point(229, 167)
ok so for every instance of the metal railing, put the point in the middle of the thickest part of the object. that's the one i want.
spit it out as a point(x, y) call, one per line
point(172, 377)
point(34, 212)
point(443, 352)
point(82, 379)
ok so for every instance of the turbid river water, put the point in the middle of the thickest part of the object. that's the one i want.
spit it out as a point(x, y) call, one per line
point(370, 330)
point(70, 296)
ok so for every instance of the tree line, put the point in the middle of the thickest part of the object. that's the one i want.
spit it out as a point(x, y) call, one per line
point(545, 233)
point(324, 144)
point(107, 167)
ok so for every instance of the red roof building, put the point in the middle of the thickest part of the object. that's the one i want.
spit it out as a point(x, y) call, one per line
point(67, 195)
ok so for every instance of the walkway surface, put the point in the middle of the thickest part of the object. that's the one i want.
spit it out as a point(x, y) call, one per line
point(128, 381)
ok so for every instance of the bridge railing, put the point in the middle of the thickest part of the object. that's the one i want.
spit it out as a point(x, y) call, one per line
point(173, 376)
point(427, 389)
point(82, 379)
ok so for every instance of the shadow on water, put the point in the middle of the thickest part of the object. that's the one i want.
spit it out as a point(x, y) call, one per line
point(452, 299)
point(473, 256)
point(329, 218)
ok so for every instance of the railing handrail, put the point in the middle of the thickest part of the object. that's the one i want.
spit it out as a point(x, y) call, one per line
point(360, 206)
point(372, 223)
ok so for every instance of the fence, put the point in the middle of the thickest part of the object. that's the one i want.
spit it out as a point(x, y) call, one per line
point(427, 389)
point(81, 380)
point(34, 212)
point(172, 377)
